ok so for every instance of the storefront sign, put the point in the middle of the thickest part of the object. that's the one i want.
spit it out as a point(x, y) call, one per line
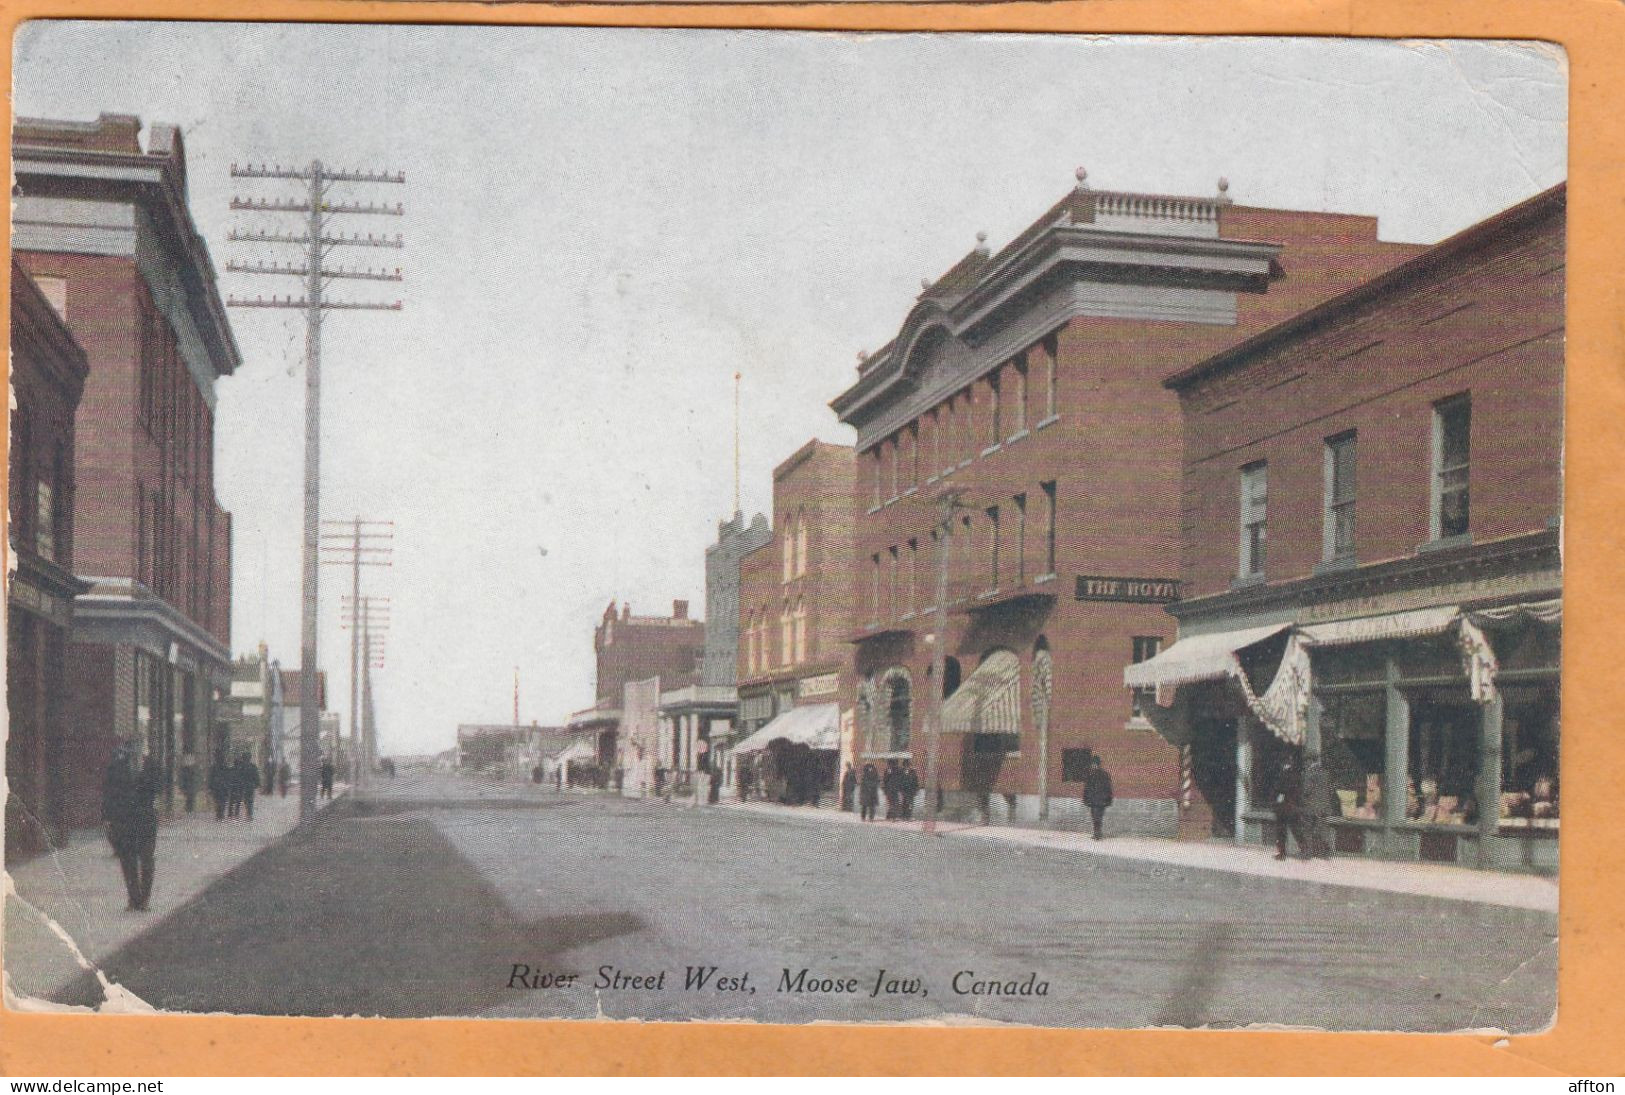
point(1155, 591)
point(1467, 589)
point(825, 684)
point(247, 688)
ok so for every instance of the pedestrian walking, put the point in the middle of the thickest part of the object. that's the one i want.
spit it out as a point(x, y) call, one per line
point(1319, 803)
point(247, 784)
point(284, 776)
point(1288, 806)
point(908, 785)
point(849, 789)
point(220, 785)
point(890, 786)
point(1097, 794)
point(188, 781)
point(132, 819)
point(868, 793)
point(327, 777)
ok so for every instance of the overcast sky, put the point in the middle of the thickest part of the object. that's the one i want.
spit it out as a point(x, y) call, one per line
point(605, 225)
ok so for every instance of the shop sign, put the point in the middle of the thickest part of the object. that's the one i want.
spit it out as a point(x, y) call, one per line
point(247, 688)
point(825, 684)
point(1154, 591)
point(1468, 589)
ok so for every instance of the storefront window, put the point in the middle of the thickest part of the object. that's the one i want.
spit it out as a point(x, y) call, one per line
point(1269, 753)
point(1444, 759)
point(1353, 731)
point(1529, 750)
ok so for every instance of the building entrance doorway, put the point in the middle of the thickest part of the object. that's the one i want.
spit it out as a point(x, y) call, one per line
point(1213, 770)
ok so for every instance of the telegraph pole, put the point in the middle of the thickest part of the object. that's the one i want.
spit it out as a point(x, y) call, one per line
point(367, 619)
point(354, 544)
point(317, 211)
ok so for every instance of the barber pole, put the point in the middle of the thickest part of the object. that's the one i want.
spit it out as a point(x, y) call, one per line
point(1184, 778)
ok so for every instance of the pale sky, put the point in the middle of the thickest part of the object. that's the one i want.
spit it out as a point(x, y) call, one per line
point(605, 225)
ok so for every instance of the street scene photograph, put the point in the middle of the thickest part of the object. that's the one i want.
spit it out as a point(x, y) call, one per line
point(648, 524)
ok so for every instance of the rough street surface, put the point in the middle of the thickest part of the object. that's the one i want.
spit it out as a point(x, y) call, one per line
point(436, 895)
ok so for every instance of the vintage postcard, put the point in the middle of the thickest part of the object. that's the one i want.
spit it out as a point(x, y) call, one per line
point(630, 523)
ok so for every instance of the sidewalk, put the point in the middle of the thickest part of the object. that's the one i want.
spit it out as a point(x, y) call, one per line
point(78, 890)
point(1519, 891)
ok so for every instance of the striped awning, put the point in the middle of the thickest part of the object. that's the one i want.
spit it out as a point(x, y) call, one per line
point(815, 725)
point(1198, 658)
point(989, 700)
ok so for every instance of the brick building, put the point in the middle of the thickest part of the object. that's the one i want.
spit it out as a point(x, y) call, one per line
point(48, 372)
point(637, 648)
point(796, 617)
point(103, 226)
point(1029, 381)
point(697, 719)
point(1372, 501)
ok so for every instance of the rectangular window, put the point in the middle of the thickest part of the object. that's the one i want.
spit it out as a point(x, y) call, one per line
point(1051, 364)
point(874, 588)
point(993, 546)
point(1018, 394)
point(913, 575)
point(914, 454)
point(1145, 648)
point(894, 451)
point(967, 554)
point(947, 437)
point(1254, 496)
point(1021, 539)
point(968, 413)
point(874, 471)
point(1452, 429)
point(933, 429)
point(895, 606)
point(995, 419)
point(1049, 526)
point(1339, 474)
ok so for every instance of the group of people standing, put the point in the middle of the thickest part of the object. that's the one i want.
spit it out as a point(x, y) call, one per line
point(1304, 800)
point(233, 786)
point(900, 785)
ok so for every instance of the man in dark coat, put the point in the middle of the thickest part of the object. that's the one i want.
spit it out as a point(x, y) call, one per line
point(849, 789)
point(247, 783)
point(1319, 803)
point(327, 777)
point(1288, 806)
point(284, 776)
point(868, 793)
point(132, 819)
point(890, 786)
point(908, 785)
point(220, 785)
point(1097, 793)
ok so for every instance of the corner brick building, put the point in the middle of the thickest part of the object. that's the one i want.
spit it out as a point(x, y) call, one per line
point(1029, 382)
point(1372, 502)
point(47, 378)
point(796, 614)
point(102, 224)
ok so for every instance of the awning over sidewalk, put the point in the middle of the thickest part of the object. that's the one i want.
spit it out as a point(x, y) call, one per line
point(815, 725)
point(989, 700)
point(1392, 625)
point(1199, 658)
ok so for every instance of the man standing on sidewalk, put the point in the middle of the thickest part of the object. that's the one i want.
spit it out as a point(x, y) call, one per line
point(132, 819)
point(1289, 806)
point(1097, 794)
point(220, 785)
point(908, 785)
point(247, 783)
point(1319, 803)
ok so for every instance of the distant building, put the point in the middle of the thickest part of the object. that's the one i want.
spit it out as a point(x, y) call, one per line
point(508, 751)
point(248, 715)
point(1029, 381)
point(796, 620)
point(1373, 493)
point(103, 226)
point(48, 372)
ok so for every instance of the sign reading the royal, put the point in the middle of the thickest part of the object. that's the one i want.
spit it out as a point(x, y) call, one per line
point(1159, 591)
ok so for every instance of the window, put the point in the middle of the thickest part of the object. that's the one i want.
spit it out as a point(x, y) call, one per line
point(1021, 539)
point(914, 454)
point(1049, 356)
point(1444, 760)
point(995, 421)
point(1018, 395)
point(1254, 495)
point(1049, 526)
point(801, 631)
point(141, 534)
point(1339, 527)
point(874, 588)
point(899, 709)
point(787, 638)
point(895, 606)
point(968, 413)
point(894, 451)
point(913, 575)
point(947, 436)
point(934, 428)
point(1145, 648)
point(1452, 428)
point(787, 548)
point(993, 547)
point(874, 471)
point(967, 553)
point(750, 642)
point(801, 543)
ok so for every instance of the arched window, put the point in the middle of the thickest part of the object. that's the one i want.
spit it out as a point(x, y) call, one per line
point(787, 534)
point(801, 630)
point(950, 676)
point(786, 635)
point(1043, 683)
point(899, 709)
point(801, 543)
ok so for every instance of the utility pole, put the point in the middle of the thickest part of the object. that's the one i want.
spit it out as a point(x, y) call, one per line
point(318, 212)
point(947, 501)
point(367, 619)
point(516, 695)
point(354, 544)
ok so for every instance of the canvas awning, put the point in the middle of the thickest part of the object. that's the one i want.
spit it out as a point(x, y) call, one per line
point(1198, 658)
point(815, 725)
point(989, 700)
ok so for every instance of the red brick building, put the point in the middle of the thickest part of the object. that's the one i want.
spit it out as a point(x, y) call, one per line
point(103, 225)
point(47, 377)
point(1372, 501)
point(795, 616)
point(1029, 381)
point(638, 648)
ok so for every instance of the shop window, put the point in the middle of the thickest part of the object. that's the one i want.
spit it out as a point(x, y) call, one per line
point(1075, 765)
point(1452, 449)
point(1339, 527)
point(1254, 528)
point(1529, 752)
point(1145, 648)
point(1353, 732)
point(1444, 759)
